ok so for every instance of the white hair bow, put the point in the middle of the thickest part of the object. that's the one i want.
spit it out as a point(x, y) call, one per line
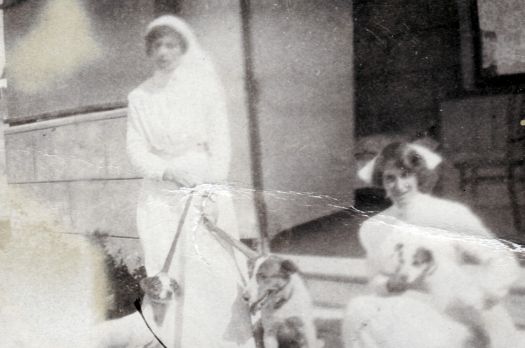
point(432, 160)
point(367, 171)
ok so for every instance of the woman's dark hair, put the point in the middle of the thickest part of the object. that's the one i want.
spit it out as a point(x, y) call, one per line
point(161, 31)
point(401, 156)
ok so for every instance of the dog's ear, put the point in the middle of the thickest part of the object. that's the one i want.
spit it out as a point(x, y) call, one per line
point(289, 267)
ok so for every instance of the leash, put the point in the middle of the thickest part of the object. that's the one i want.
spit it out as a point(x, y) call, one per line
point(166, 266)
point(138, 306)
point(249, 253)
point(171, 252)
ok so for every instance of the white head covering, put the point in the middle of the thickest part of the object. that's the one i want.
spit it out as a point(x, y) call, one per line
point(432, 160)
point(367, 171)
point(195, 58)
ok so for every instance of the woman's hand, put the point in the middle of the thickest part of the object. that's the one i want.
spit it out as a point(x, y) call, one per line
point(181, 177)
point(397, 284)
point(173, 176)
point(381, 285)
point(388, 284)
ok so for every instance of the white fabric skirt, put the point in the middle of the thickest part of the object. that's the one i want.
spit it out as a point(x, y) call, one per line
point(411, 320)
point(210, 311)
point(399, 321)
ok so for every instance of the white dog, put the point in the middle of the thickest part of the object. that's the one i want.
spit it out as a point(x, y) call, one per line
point(434, 268)
point(130, 331)
point(51, 291)
point(52, 282)
point(53, 287)
point(429, 282)
point(437, 270)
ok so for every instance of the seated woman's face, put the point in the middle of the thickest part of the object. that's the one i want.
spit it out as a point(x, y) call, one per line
point(399, 184)
point(166, 52)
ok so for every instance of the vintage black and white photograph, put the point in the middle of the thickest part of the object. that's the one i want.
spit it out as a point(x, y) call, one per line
point(262, 173)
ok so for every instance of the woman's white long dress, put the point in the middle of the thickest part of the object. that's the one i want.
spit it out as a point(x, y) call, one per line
point(413, 319)
point(181, 121)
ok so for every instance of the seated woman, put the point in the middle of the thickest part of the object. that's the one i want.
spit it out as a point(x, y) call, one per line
point(437, 274)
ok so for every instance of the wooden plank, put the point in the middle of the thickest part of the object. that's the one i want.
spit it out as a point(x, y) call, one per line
point(343, 269)
point(63, 121)
point(350, 269)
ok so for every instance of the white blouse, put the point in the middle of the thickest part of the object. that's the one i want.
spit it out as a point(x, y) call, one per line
point(179, 121)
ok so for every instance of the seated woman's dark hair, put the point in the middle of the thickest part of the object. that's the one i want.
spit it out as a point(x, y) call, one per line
point(401, 156)
point(161, 31)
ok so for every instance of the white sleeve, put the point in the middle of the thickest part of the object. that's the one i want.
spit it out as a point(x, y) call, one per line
point(379, 238)
point(219, 141)
point(147, 163)
point(372, 235)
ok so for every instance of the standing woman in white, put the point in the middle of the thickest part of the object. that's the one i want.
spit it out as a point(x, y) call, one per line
point(178, 139)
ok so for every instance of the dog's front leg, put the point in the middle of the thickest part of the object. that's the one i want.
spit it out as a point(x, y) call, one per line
point(270, 341)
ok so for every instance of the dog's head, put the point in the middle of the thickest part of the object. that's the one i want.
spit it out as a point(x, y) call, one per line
point(420, 261)
point(160, 287)
point(414, 264)
point(269, 281)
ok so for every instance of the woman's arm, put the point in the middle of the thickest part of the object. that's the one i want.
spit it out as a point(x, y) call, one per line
point(375, 236)
point(499, 267)
point(148, 164)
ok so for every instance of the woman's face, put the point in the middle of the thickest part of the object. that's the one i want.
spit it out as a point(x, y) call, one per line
point(166, 52)
point(399, 184)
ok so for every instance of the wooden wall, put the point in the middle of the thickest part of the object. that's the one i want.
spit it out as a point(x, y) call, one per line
point(303, 64)
point(76, 168)
point(303, 67)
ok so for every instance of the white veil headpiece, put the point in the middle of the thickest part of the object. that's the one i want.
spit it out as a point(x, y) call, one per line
point(432, 160)
point(195, 58)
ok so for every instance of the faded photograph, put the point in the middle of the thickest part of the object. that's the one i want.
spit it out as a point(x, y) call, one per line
point(262, 173)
